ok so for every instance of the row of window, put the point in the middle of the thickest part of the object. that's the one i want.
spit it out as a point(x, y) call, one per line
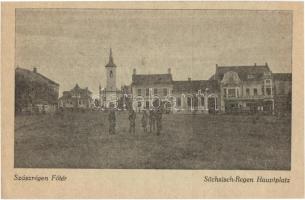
point(155, 91)
point(190, 102)
point(234, 92)
point(80, 102)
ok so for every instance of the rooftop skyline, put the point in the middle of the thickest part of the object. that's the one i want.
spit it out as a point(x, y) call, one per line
point(72, 45)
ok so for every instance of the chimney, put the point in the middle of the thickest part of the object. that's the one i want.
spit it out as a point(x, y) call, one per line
point(169, 70)
point(34, 69)
point(189, 79)
point(134, 71)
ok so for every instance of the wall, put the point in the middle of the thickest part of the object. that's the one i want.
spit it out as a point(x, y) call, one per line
point(151, 88)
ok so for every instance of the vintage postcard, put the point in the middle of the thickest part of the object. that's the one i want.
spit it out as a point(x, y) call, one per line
point(152, 100)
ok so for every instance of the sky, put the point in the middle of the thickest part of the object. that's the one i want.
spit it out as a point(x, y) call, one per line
point(72, 45)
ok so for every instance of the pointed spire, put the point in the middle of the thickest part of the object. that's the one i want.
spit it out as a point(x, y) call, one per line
point(110, 57)
point(110, 63)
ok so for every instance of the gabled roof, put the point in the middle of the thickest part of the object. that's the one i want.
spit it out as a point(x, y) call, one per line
point(34, 76)
point(195, 85)
point(282, 76)
point(83, 93)
point(256, 72)
point(148, 79)
point(77, 89)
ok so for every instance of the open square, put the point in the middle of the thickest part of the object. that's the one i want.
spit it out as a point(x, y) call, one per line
point(187, 141)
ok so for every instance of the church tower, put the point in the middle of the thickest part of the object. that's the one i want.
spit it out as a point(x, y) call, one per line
point(109, 94)
point(111, 74)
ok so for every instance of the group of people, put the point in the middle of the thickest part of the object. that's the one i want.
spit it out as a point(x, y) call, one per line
point(151, 119)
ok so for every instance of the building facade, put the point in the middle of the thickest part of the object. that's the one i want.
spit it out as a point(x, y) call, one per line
point(196, 96)
point(249, 89)
point(246, 88)
point(150, 90)
point(76, 99)
point(282, 92)
point(34, 93)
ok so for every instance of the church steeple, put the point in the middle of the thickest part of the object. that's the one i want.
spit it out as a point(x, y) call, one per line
point(110, 62)
point(110, 56)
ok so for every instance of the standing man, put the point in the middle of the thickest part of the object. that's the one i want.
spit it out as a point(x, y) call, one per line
point(144, 120)
point(151, 120)
point(111, 119)
point(159, 120)
point(132, 121)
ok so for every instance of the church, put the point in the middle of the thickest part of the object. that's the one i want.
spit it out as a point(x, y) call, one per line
point(109, 95)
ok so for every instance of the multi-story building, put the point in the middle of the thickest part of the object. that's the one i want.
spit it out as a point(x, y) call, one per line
point(76, 99)
point(245, 88)
point(34, 93)
point(150, 89)
point(282, 83)
point(231, 89)
point(196, 95)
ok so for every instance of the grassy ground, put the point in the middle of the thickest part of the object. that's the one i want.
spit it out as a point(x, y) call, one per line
point(81, 140)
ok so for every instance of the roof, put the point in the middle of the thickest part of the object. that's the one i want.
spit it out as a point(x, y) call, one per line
point(150, 79)
point(195, 85)
point(83, 93)
point(282, 76)
point(78, 89)
point(110, 62)
point(256, 71)
point(34, 76)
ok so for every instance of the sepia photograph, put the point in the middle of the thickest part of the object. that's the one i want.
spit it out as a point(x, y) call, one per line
point(153, 89)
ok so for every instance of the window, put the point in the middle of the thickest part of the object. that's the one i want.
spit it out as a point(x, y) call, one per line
point(263, 90)
point(139, 104)
point(147, 104)
point(281, 88)
point(268, 82)
point(155, 91)
point(147, 92)
point(225, 92)
point(247, 91)
point(111, 74)
point(179, 101)
point(255, 91)
point(164, 91)
point(139, 92)
point(268, 91)
point(231, 93)
point(250, 76)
